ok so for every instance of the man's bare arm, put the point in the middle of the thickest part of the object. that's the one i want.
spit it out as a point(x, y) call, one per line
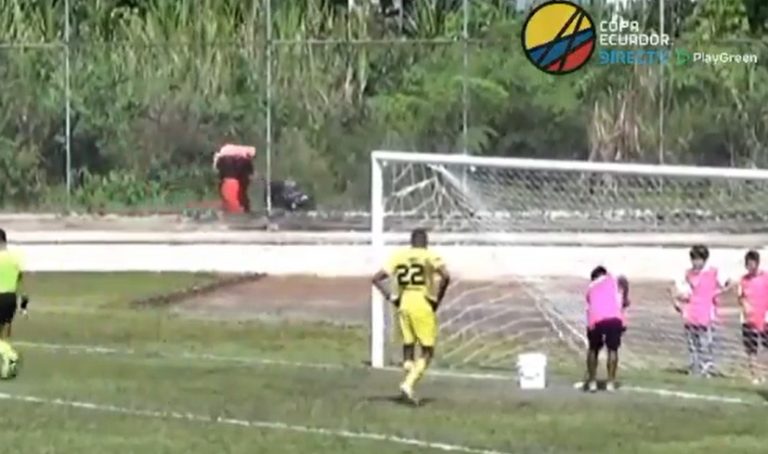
point(726, 286)
point(742, 300)
point(743, 303)
point(624, 288)
point(24, 298)
point(378, 281)
point(445, 280)
point(675, 298)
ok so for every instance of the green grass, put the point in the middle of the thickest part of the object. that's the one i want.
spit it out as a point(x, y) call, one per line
point(97, 290)
point(490, 414)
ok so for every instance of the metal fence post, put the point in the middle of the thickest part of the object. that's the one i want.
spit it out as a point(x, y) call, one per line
point(67, 106)
point(268, 171)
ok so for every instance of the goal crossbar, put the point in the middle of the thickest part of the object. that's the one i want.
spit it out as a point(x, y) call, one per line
point(729, 173)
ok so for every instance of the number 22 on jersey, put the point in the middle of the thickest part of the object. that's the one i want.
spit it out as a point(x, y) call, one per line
point(411, 275)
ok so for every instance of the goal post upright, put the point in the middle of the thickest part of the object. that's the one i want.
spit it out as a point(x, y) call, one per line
point(378, 308)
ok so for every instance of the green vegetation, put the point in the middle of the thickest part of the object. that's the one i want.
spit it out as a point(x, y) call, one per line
point(156, 86)
point(161, 373)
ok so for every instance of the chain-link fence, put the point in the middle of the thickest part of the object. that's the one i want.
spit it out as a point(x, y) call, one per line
point(120, 109)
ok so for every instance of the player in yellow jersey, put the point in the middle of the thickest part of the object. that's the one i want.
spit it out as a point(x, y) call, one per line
point(413, 273)
point(10, 279)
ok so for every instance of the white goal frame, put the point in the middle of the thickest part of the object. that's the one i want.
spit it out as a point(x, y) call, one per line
point(379, 158)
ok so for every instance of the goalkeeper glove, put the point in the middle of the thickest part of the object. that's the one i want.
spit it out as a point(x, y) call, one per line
point(24, 304)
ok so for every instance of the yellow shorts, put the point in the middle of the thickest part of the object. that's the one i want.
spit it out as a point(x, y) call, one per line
point(418, 322)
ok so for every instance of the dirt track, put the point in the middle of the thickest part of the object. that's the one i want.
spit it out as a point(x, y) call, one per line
point(347, 299)
point(339, 300)
point(328, 299)
point(479, 319)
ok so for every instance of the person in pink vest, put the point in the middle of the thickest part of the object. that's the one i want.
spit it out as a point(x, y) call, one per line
point(698, 307)
point(753, 299)
point(607, 299)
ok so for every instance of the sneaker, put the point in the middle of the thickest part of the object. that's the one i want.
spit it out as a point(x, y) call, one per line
point(591, 387)
point(610, 386)
point(406, 393)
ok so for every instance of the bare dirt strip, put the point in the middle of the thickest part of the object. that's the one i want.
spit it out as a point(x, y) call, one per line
point(344, 299)
point(347, 298)
point(476, 314)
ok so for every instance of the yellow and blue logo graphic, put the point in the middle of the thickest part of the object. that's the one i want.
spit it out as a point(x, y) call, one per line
point(559, 37)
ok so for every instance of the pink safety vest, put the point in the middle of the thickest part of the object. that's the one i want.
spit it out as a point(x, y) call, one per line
point(702, 305)
point(604, 301)
point(755, 290)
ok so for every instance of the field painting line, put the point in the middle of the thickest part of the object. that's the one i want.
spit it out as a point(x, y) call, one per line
point(256, 361)
point(259, 425)
point(103, 350)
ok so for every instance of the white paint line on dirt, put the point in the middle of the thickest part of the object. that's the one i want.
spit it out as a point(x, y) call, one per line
point(103, 350)
point(260, 425)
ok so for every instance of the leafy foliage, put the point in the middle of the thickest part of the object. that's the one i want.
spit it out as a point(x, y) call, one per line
point(156, 86)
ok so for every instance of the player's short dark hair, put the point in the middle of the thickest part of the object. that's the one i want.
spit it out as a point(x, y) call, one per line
point(598, 272)
point(752, 256)
point(419, 238)
point(3, 237)
point(699, 251)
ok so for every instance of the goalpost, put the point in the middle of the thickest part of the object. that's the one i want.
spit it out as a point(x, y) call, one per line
point(521, 236)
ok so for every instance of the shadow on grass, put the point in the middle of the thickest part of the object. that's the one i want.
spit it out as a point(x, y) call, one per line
point(715, 373)
point(676, 370)
point(399, 400)
point(602, 385)
point(763, 393)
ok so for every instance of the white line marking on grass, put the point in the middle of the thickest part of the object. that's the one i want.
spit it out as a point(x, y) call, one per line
point(688, 395)
point(99, 350)
point(102, 350)
point(264, 425)
point(95, 349)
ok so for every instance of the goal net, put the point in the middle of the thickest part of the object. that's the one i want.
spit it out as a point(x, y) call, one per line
point(522, 235)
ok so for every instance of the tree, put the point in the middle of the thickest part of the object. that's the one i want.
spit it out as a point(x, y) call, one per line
point(157, 86)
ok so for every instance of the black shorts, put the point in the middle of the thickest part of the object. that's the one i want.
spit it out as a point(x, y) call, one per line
point(7, 307)
point(606, 333)
point(753, 338)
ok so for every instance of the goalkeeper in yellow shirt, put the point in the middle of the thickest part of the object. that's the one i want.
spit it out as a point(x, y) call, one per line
point(10, 281)
point(413, 272)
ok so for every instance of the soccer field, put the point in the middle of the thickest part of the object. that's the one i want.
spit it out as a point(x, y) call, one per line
point(101, 374)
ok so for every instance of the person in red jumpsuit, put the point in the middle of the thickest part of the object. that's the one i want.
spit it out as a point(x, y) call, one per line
point(234, 164)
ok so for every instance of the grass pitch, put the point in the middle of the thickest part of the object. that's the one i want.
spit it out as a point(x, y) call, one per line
point(156, 392)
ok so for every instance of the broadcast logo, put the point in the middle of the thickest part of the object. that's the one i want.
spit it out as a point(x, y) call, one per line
point(559, 37)
point(622, 42)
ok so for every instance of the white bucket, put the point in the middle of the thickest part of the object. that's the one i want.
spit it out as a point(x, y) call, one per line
point(532, 370)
